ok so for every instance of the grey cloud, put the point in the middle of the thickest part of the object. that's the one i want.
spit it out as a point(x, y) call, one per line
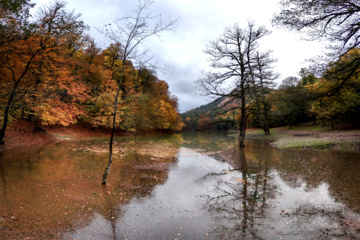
point(200, 21)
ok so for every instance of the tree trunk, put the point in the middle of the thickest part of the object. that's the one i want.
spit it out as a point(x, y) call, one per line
point(266, 122)
point(242, 125)
point(6, 114)
point(5, 122)
point(266, 128)
point(107, 170)
point(259, 116)
point(323, 122)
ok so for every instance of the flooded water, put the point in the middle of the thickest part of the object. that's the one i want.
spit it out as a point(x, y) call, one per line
point(181, 186)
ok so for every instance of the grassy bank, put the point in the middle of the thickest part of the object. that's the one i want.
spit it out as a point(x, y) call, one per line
point(310, 136)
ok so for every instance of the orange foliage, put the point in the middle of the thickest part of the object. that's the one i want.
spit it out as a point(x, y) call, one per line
point(61, 77)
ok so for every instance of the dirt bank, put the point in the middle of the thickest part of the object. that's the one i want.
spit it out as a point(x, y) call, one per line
point(310, 136)
point(21, 133)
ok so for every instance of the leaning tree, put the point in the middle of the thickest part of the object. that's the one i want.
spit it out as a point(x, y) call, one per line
point(129, 34)
point(234, 60)
point(26, 43)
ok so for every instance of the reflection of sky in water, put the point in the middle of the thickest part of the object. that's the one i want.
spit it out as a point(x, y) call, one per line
point(294, 210)
point(202, 199)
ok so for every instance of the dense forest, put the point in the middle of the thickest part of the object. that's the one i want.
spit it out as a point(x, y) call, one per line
point(52, 73)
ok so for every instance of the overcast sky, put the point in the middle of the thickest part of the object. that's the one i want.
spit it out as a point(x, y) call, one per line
point(200, 21)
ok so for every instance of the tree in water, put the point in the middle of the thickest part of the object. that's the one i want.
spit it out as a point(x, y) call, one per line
point(128, 34)
point(234, 57)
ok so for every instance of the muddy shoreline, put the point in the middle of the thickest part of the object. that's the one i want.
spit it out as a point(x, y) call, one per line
point(21, 133)
point(309, 137)
point(24, 134)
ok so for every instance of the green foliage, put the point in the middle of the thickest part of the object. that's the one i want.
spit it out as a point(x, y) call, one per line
point(292, 103)
point(209, 117)
point(343, 104)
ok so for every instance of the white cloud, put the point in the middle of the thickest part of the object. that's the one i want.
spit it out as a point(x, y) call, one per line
point(200, 21)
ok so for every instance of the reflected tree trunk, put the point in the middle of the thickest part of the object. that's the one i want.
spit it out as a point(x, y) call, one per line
point(242, 122)
point(3, 178)
point(112, 212)
point(244, 169)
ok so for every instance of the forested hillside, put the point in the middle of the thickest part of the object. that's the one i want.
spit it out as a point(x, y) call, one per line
point(214, 116)
point(52, 73)
point(294, 101)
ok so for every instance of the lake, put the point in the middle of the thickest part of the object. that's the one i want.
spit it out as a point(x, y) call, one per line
point(195, 185)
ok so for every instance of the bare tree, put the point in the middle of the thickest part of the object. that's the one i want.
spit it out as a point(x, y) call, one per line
point(263, 78)
point(128, 34)
point(337, 20)
point(333, 20)
point(233, 56)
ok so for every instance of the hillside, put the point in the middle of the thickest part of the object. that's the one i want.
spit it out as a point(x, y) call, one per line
point(210, 117)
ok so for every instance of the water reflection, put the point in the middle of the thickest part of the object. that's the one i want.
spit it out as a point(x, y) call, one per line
point(254, 201)
point(238, 198)
point(189, 186)
point(47, 191)
point(174, 209)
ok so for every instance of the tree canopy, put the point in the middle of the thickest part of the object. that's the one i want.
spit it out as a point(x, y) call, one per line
point(52, 73)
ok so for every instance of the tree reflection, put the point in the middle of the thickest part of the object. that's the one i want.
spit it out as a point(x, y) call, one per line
point(268, 195)
point(239, 198)
point(51, 190)
point(112, 211)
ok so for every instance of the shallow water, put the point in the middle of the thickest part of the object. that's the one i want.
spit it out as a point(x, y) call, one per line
point(205, 189)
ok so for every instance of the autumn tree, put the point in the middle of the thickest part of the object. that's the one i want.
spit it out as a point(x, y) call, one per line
point(233, 59)
point(344, 104)
point(23, 58)
point(15, 24)
point(128, 34)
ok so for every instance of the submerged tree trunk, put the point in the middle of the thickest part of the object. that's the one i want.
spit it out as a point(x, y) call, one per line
point(242, 122)
point(107, 170)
